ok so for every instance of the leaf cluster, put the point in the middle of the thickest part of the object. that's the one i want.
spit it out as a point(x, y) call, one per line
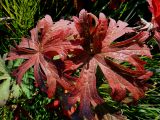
point(76, 60)
point(86, 43)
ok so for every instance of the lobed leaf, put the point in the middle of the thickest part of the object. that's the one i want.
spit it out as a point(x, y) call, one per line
point(47, 40)
point(98, 36)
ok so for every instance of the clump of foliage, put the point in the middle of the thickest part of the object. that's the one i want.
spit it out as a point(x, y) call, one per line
point(84, 44)
point(72, 60)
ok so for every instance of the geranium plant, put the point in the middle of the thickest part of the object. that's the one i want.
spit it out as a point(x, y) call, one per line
point(86, 43)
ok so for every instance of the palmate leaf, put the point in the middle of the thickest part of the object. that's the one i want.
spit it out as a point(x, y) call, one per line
point(4, 83)
point(99, 50)
point(47, 40)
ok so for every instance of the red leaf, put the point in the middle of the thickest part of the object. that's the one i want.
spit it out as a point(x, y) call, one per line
point(155, 9)
point(121, 80)
point(116, 30)
point(85, 90)
point(39, 51)
point(97, 37)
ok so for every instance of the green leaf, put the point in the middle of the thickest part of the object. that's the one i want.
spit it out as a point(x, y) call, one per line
point(4, 89)
point(4, 83)
point(26, 90)
point(16, 90)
